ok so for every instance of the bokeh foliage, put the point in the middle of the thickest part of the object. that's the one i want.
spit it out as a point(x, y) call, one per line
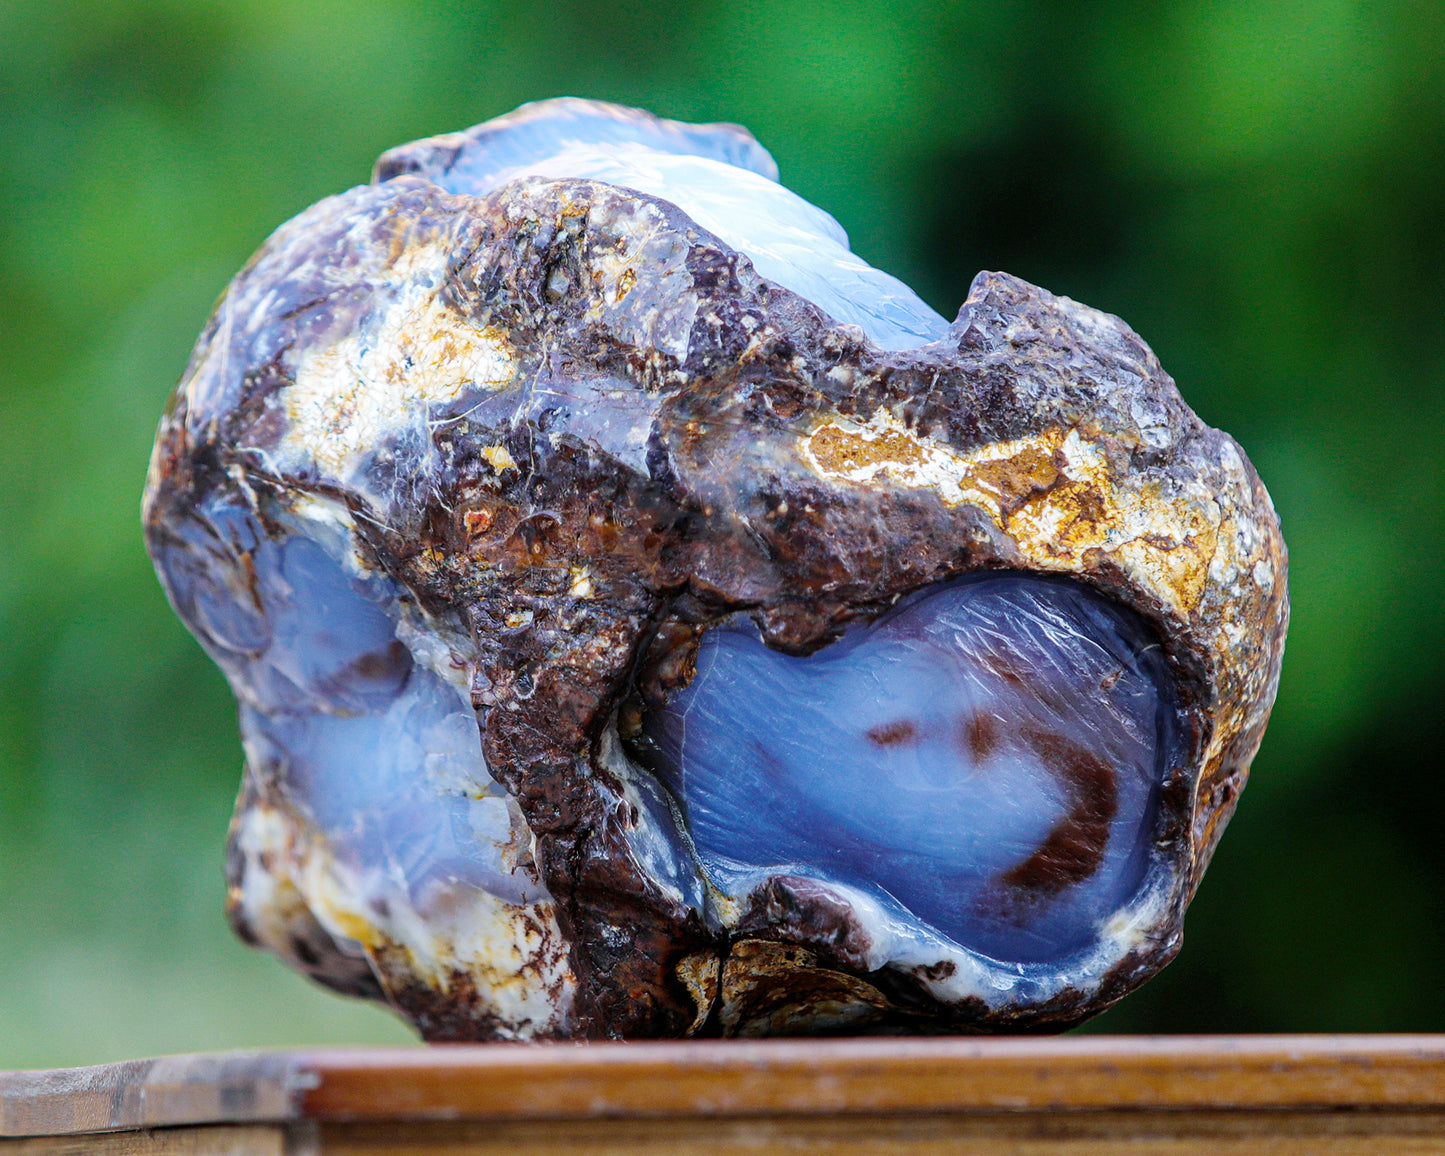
point(1258, 186)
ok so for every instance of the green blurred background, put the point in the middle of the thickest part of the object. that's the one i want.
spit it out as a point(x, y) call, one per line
point(1258, 186)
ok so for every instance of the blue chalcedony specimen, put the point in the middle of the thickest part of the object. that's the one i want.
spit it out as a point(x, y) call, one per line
point(647, 619)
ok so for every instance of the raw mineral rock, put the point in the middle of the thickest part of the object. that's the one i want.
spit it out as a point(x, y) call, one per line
point(648, 619)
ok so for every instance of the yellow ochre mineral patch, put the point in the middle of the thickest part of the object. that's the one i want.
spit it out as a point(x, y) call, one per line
point(350, 394)
point(1052, 494)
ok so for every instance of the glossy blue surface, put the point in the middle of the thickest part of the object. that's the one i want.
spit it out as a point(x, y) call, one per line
point(987, 754)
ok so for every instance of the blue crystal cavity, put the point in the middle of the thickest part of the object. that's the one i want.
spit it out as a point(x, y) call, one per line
point(987, 755)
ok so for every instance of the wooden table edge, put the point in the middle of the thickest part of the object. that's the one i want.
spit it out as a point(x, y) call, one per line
point(735, 1078)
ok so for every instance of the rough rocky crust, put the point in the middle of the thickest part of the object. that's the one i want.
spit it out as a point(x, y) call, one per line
point(580, 430)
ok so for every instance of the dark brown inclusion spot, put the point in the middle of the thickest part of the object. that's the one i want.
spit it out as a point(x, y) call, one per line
point(1074, 849)
point(893, 734)
point(981, 734)
point(378, 664)
point(1001, 666)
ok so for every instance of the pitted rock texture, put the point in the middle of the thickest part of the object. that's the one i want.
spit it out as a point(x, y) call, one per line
point(472, 464)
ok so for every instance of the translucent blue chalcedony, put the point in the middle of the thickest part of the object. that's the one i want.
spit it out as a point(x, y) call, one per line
point(988, 754)
point(377, 753)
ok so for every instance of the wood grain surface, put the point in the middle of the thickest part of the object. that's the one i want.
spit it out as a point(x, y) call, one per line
point(1084, 1094)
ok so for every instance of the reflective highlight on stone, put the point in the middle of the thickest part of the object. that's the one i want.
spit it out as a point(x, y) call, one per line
point(717, 175)
point(647, 619)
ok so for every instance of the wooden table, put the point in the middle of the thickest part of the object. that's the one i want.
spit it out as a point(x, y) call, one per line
point(1025, 1096)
